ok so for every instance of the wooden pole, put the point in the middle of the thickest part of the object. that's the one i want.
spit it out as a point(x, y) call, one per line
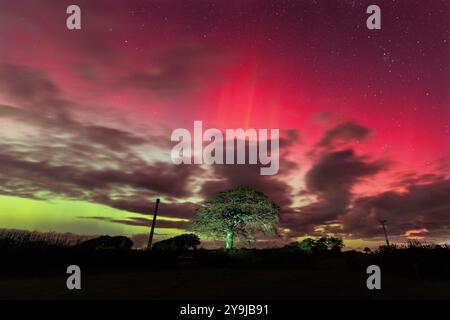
point(152, 229)
point(383, 223)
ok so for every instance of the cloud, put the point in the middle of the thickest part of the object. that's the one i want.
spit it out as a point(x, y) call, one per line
point(71, 159)
point(275, 187)
point(39, 105)
point(142, 222)
point(331, 179)
point(112, 138)
point(26, 85)
point(37, 178)
point(179, 71)
point(420, 206)
point(144, 205)
point(416, 234)
point(340, 136)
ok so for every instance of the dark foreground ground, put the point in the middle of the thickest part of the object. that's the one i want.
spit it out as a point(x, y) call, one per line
point(223, 284)
point(37, 270)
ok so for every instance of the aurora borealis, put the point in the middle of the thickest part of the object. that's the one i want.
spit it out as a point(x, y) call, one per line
point(364, 115)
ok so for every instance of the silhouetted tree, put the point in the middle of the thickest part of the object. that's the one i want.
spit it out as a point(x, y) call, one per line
point(307, 245)
point(322, 244)
point(236, 213)
point(387, 249)
point(179, 243)
point(335, 244)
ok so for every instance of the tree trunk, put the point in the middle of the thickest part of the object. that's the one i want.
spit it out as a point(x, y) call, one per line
point(229, 242)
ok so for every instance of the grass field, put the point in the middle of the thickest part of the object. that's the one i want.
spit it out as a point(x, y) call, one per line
point(223, 284)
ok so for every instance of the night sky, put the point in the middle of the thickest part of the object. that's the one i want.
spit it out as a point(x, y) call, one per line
point(86, 115)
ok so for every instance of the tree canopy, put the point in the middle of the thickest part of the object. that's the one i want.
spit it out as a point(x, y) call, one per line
point(237, 213)
point(322, 244)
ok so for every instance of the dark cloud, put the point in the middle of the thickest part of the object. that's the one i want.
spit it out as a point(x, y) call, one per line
point(231, 176)
point(32, 177)
point(413, 178)
point(339, 170)
point(288, 138)
point(177, 72)
point(335, 170)
point(144, 205)
point(23, 84)
point(112, 138)
point(40, 105)
point(275, 187)
point(420, 206)
point(57, 121)
point(142, 222)
point(330, 180)
point(340, 135)
point(35, 99)
point(184, 210)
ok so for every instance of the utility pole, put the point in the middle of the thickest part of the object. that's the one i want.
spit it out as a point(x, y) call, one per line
point(383, 224)
point(152, 229)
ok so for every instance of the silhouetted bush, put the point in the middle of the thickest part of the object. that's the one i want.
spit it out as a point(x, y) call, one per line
point(106, 243)
point(179, 243)
point(320, 245)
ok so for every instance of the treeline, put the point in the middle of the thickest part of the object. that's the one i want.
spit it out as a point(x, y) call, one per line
point(27, 253)
point(15, 237)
